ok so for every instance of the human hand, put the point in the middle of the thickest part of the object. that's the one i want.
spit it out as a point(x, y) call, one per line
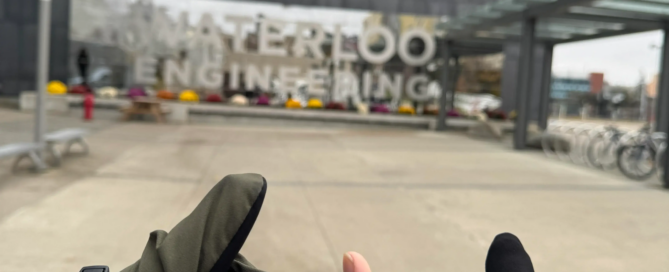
point(354, 262)
point(505, 254)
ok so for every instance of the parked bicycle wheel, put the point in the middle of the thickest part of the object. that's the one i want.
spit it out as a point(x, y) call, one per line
point(563, 143)
point(608, 156)
point(636, 162)
point(595, 149)
point(547, 143)
point(580, 139)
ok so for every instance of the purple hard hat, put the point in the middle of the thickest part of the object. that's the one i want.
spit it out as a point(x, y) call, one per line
point(263, 100)
point(380, 108)
point(135, 92)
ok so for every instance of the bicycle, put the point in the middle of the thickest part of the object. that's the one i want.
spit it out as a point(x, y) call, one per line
point(600, 151)
point(638, 160)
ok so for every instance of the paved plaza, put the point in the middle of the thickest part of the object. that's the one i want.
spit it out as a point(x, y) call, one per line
point(407, 200)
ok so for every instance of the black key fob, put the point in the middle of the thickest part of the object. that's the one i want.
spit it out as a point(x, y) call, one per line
point(95, 268)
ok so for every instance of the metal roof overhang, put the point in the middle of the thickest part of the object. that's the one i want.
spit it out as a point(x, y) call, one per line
point(489, 26)
point(558, 21)
point(469, 47)
point(415, 7)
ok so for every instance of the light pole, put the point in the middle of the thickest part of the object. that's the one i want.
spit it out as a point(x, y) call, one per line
point(42, 72)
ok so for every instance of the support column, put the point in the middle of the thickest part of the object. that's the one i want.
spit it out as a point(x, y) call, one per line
point(525, 82)
point(546, 81)
point(42, 71)
point(454, 84)
point(662, 101)
point(445, 85)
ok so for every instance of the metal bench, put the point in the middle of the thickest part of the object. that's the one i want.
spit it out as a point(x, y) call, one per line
point(23, 150)
point(69, 137)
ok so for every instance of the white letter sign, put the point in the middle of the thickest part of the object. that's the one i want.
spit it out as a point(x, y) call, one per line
point(267, 37)
point(255, 78)
point(238, 40)
point(338, 53)
point(174, 72)
point(145, 70)
point(411, 88)
point(388, 50)
point(287, 77)
point(314, 44)
point(405, 40)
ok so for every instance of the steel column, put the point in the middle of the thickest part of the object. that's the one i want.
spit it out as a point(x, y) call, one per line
point(525, 83)
point(445, 85)
point(454, 84)
point(662, 101)
point(42, 71)
point(546, 80)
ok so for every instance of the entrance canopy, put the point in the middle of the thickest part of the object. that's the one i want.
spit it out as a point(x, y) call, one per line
point(414, 7)
point(558, 21)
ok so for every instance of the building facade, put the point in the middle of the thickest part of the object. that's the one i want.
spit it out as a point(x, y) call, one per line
point(564, 88)
point(18, 44)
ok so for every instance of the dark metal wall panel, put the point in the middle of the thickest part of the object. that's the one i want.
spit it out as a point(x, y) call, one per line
point(2, 9)
point(9, 34)
point(59, 53)
point(9, 84)
point(18, 44)
point(27, 51)
point(29, 10)
point(12, 10)
point(60, 14)
point(60, 40)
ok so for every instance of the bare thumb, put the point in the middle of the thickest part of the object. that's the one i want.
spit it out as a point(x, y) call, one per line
point(354, 262)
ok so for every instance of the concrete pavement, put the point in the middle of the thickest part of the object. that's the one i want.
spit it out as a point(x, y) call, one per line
point(407, 200)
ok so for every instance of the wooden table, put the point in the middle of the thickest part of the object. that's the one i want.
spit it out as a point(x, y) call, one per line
point(143, 106)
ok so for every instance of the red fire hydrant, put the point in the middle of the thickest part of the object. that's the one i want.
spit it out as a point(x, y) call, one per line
point(89, 102)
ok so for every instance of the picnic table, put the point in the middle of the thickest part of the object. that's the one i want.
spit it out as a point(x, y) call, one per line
point(145, 106)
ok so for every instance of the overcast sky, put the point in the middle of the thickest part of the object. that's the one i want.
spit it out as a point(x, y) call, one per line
point(623, 60)
point(350, 20)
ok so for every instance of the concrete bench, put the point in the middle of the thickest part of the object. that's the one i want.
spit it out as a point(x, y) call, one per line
point(68, 137)
point(22, 151)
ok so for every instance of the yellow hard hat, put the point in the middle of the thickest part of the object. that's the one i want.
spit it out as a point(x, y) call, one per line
point(293, 104)
point(315, 103)
point(406, 108)
point(189, 96)
point(56, 87)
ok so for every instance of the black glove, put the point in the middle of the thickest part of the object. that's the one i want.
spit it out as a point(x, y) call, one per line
point(506, 254)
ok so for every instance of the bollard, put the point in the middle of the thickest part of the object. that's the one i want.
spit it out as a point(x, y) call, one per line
point(89, 102)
